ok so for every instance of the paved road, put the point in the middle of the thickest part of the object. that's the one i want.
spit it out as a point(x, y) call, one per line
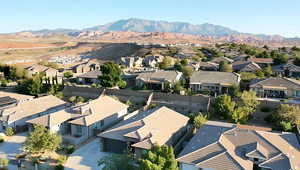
point(86, 157)
point(11, 147)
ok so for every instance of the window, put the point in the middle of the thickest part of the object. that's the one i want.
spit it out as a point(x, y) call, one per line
point(78, 129)
point(102, 123)
point(298, 93)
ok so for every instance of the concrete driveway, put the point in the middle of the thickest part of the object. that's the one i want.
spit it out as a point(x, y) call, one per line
point(11, 147)
point(86, 157)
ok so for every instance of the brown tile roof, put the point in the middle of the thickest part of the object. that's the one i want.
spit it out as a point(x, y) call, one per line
point(154, 126)
point(99, 109)
point(261, 60)
point(240, 144)
point(32, 107)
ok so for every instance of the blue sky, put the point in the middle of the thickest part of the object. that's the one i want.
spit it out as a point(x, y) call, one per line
point(253, 16)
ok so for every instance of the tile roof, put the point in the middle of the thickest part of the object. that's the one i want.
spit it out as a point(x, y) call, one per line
point(32, 107)
point(55, 118)
point(219, 146)
point(287, 66)
point(245, 66)
point(99, 109)
point(214, 77)
point(92, 74)
point(276, 82)
point(170, 76)
point(261, 60)
point(19, 97)
point(153, 126)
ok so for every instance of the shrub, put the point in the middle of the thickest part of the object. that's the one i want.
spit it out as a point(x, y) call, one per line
point(68, 74)
point(1, 139)
point(72, 99)
point(59, 167)
point(3, 163)
point(79, 99)
point(70, 149)
point(286, 126)
point(9, 131)
point(199, 120)
point(62, 159)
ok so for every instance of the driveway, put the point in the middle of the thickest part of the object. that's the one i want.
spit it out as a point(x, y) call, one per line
point(86, 157)
point(11, 147)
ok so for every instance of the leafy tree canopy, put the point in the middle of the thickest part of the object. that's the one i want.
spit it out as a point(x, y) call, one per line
point(159, 158)
point(41, 140)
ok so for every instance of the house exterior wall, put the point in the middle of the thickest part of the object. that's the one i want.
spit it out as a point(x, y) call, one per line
point(185, 166)
point(288, 92)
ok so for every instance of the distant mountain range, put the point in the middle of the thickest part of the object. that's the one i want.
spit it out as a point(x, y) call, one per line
point(207, 31)
point(139, 25)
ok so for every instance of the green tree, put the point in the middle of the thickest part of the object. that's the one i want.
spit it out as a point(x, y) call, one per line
point(159, 158)
point(245, 76)
point(268, 71)
point(289, 113)
point(225, 67)
point(166, 62)
point(34, 85)
point(199, 120)
point(234, 90)
point(9, 131)
point(72, 99)
point(224, 106)
point(118, 162)
point(297, 59)
point(188, 71)
point(184, 62)
point(259, 74)
point(249, 101)
point(246, 105)
point(111, 75)
point(68, 74)
point(79, 99)
point(41, 140)
point(281, 59)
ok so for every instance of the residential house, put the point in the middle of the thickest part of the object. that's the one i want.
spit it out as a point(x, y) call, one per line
point(218, 60)
point(139, 133)
point(89, 77)
point(213, 81)
point(208, 66)
point(46, 71)
point(98, 115)
point(17, 116)
point(245, 66)
point(152, 60)
point(286, 70)
point(56, 122)
point(130, 62)
point(262, 62)
point(276, 87)
point(158, 80)
point(86, 66)
point(224, 146)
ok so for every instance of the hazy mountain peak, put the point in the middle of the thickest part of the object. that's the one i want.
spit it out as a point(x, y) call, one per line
point(141, 25)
